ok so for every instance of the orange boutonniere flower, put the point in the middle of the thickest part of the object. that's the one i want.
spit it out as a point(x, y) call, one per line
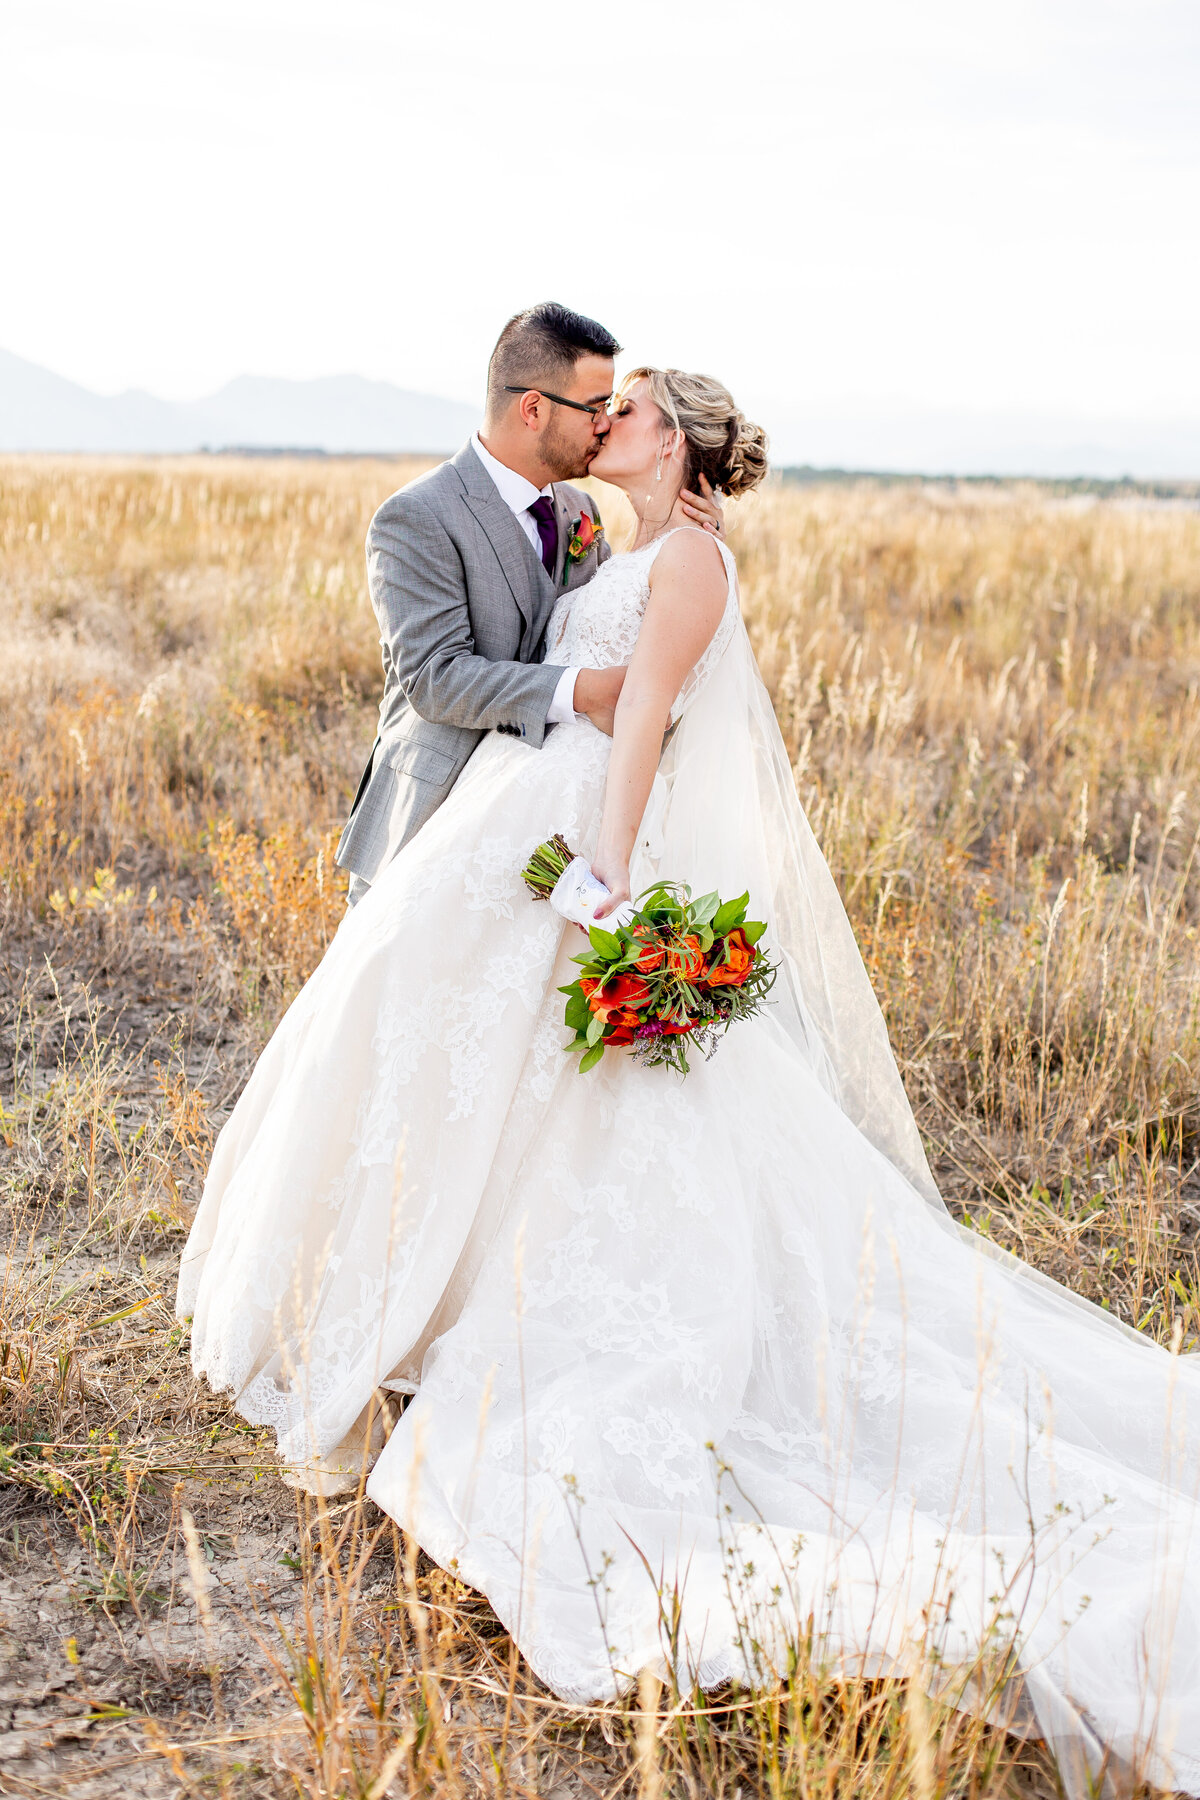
point(584, 533)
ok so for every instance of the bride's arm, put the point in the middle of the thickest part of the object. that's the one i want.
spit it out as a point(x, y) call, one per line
point(688, 590)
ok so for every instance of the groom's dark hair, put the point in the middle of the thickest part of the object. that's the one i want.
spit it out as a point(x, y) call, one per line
point(543, 344)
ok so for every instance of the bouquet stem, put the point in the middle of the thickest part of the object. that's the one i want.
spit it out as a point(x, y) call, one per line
point(546, 867)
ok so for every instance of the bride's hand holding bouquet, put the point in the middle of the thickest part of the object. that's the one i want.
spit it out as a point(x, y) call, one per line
point(612, 869)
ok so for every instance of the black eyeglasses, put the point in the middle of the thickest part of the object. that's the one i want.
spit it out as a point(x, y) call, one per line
point(579, 405)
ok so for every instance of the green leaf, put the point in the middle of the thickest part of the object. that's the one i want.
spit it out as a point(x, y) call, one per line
point(578, 1015)
point(595, 1030)
point(590, 1058)
point(605, 943)
point(730, 915)
point(753, 932)
point(705, 909)
point(660, 903)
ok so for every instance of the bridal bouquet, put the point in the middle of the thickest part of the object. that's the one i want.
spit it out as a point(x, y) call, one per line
point(672, 972)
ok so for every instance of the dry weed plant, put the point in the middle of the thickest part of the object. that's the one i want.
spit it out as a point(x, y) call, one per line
point(992, 702)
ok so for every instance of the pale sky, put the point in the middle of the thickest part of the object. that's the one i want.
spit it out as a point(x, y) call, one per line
point(957, 204)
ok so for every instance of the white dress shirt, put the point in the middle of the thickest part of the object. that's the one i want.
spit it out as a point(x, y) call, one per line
point(518, 495)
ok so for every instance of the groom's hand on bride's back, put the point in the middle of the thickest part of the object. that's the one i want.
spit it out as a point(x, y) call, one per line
point(596, 694)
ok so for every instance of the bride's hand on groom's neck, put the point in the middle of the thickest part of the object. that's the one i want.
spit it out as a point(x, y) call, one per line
point(704, 508)
point(596, 694)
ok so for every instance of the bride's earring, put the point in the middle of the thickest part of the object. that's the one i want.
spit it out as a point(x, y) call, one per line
point(658, 469)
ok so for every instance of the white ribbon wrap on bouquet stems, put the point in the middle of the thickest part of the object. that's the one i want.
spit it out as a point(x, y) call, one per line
point(577, 893)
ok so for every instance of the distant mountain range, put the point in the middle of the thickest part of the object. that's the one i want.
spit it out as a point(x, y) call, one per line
point(923, 440)
point(348, 413)
point(43, 411)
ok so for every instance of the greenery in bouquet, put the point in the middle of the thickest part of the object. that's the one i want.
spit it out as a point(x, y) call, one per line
point(674, 978)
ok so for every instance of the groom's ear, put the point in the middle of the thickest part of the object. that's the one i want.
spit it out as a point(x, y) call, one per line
point(533, 409)
point(529, 408)
point(505, 409)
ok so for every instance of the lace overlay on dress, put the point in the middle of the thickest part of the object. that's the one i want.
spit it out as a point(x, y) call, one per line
point(300, 1324)
point(597, 626)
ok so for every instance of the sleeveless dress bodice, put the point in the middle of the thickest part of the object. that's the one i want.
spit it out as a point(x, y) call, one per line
point(596, 626)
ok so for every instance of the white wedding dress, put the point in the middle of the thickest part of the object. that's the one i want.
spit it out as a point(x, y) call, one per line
point(713, 1343)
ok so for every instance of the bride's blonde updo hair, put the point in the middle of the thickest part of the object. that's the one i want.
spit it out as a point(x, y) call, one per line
point(722, 443)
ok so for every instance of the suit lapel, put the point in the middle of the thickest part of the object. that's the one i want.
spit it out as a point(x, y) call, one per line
point(565, 520)
point(522, 566)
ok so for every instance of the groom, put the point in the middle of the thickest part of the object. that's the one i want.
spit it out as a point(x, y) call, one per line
point(464, 566)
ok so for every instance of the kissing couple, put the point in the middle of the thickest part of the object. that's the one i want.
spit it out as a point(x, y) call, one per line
point(680, 1373)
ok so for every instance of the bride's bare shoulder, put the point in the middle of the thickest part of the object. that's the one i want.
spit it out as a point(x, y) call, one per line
point(691, 558)
point(689, 589)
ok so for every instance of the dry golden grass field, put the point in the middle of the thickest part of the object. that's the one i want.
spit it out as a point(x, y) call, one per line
point(993, 706)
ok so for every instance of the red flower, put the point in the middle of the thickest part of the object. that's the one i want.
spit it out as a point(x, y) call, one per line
point(678, 1030)
point(584, 533)
point(740, 957)
point(615, 1001)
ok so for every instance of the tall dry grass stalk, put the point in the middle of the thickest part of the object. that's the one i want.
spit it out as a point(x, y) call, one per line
point(992, 704)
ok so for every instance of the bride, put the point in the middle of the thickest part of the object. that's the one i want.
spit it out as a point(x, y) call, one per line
point(714, 1342)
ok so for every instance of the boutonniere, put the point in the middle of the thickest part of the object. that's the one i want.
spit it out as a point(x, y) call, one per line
point(584, 533)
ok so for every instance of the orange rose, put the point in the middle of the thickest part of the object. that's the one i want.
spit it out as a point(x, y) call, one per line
point(650, 955)
point(740, 957)
point(686, 958)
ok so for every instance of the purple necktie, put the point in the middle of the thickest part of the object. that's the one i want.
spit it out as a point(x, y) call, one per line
point(543, 511)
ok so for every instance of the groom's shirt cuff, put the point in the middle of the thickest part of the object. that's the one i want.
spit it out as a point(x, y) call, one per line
point(562, 707)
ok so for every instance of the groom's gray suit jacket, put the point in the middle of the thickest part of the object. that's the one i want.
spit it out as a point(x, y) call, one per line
point(463, 601)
